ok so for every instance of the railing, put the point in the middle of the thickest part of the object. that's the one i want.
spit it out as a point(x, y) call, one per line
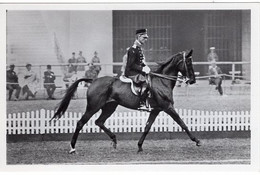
point(107, 68)
point(37, 122)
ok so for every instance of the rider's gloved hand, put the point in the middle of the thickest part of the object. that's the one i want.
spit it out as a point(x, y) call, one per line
point(146, 69)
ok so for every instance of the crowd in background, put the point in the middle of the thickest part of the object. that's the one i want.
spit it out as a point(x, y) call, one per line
point(27, 84)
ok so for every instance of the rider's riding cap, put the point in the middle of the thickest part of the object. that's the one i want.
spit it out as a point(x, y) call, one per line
point(142, 32)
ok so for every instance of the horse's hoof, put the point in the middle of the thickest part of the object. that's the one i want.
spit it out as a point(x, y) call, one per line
point(72, 151)
point(198, 143)
point(114, 145)
point(140, 150)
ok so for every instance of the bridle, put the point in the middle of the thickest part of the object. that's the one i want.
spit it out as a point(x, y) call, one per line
point(174, 78)
point(184, 64)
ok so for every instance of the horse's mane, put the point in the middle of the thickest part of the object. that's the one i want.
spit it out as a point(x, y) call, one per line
point(162, 64)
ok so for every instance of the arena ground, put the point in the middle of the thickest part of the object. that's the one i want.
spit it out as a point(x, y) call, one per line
point(177, 151)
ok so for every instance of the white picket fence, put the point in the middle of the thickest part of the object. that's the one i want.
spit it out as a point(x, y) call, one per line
point(37, 122)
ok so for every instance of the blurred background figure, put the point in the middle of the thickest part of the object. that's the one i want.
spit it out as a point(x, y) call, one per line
point(12, 83)
point(81, 68)
point(212, 56)
point(96, 68)
point(71, 71)
point(72, 67)
point(49, 84)
point(215, 77)
point(30, 82)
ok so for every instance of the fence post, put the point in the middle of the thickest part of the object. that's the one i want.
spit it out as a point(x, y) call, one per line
point(233, 72)
point(42, 121)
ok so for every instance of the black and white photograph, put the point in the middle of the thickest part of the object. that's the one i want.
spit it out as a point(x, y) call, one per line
point(131, 84)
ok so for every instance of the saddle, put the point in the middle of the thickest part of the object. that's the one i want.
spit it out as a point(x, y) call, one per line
point(138, 91)
point(135, 89)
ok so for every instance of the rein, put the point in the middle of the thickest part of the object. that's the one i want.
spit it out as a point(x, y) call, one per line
point(168, 77)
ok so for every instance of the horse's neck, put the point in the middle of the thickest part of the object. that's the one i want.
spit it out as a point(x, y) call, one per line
point(166, 82)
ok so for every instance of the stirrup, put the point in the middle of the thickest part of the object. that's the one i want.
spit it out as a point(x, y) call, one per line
point(145, 107)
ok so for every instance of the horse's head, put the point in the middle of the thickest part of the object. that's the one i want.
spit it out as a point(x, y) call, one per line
point(180, 62)
point(184, 65)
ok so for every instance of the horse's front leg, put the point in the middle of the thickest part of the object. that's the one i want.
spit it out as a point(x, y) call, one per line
point(148, 125)
point(171, 111)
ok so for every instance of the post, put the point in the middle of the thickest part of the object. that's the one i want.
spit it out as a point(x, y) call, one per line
point(233, 73)
point(42, 121)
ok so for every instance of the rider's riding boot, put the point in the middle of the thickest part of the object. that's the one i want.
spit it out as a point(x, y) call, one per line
point(144, 94)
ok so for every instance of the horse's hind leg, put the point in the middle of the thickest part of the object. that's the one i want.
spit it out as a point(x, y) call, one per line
point(171, 111)
point(84, 119)
point(107, 111)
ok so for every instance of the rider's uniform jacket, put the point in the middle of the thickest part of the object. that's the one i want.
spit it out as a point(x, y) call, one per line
point(135, 60)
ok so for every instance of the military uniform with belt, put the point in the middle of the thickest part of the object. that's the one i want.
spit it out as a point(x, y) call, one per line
point(136, 68)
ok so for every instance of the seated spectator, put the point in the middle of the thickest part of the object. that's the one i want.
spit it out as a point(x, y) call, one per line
point(215, 78)
point(31, 83)
point(12, 83)
point(49, 84)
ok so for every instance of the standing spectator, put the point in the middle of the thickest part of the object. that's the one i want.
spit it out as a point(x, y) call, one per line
point(72, 67)
point(49, 84)
point(72, 70)
point(31, 82)
point(81, 59)
point(12, 83)
point(212, 56)
point(95, 59)
point(215, 78)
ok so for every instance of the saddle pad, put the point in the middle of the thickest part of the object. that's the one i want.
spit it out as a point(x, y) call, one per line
point(128, 80)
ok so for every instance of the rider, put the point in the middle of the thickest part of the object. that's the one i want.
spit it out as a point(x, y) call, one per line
point(136, 68)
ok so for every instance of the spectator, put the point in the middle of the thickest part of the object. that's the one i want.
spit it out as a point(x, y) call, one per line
point(12, 83)
point(31, 82)
point(215, 78)
point(95, 59)
point(81, 59)
point(72, 70)
point(72, 67)
point(49, 84)
point(212, 56)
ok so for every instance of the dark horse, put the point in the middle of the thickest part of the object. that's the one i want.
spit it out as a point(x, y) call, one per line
point(106, 93)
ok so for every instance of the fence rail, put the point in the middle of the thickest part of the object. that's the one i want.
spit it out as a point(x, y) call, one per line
point(37, 122)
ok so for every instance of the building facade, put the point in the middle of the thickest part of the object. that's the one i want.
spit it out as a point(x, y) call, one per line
point(30, 35)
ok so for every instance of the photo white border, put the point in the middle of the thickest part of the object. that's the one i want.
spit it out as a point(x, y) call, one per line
point(255, 96)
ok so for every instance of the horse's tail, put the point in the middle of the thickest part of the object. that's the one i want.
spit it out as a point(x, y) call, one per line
point(66, 99)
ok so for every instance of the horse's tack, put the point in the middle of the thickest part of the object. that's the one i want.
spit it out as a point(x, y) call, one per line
point(136, 90)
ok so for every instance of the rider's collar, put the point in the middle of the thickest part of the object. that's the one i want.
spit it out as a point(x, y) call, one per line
point(137, 43)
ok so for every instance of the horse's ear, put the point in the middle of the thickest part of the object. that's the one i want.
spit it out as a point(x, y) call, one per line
point(190, 53)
